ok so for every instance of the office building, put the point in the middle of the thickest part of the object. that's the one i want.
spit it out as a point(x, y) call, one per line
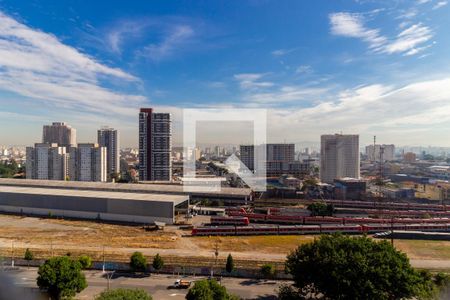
point(109, 138)
point(376, 152)
point(155, 146)
point(46, 161)
point(87, 162)
point(59, 133)
point(339, 157)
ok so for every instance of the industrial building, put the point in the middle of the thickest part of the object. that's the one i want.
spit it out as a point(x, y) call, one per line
point(114, 206)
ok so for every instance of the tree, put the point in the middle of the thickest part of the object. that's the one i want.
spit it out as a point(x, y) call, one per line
point(28, 256)
point(321, 209)
point(230, 264)
point(61, 277)
point(138, 263)
point(85, 261)
point(124, 294)
point(158, 262)
point(209, 290)
point(267, 271)
point(343, 267)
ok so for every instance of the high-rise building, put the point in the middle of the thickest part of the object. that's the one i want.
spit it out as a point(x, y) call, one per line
point(46, 161)
point(339, 157)
point(59, 133)
point(155, 146)
point(374, 153)
point(280, 159)
point(109, 138)
point(87, 162)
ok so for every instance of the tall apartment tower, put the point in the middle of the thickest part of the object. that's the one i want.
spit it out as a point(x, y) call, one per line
point(247, 156)
point(155, 146)
point(59, 133)
point(339, 157)
point(373, 153)
point(87, 162)
point(46, 162)
point(109, 138)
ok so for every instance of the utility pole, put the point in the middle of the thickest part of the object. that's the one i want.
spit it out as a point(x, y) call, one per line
point(103, 268)
point(12, 254)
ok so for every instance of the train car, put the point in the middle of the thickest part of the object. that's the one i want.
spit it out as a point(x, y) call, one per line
point(238, 220)
point(216, 230)
point(427, 227)
point(284, 219)
point(322, 220)
point(340, 228)
point(257, 230)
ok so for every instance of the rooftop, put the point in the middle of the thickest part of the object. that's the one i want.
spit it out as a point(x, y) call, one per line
point(176, 199)
point(176, 189)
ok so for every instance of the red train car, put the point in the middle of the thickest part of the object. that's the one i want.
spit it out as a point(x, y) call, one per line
point(238, 220)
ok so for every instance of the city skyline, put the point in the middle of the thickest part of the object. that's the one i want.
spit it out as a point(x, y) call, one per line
point(367, 68)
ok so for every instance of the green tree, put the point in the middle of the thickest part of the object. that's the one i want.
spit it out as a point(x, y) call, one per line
point(267, 270)
point(138, 262)
point(209, 290)
point(321, 209)
point(124, 294)
point(230, 264)
point(85, 261)
point(61, 277)
point(343, 267)
point(158, 262)
point(28, 256)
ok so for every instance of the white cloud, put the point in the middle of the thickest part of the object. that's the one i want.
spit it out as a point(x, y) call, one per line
point(409, 39)
point(422, 109)
point(440, 4)
point(284, 95)
point(124, 30)
point(37, 65)
point(251, 80)
point(282, 52)
point(303, 69)
point(178, 36)
point(352, 25)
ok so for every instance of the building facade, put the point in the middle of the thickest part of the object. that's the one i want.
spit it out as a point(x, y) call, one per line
point(59, 133)
point(155, 146)
point(378, 152)
point(109, 138)
point(339, 157)
point(46, 161)
point(87, 162)
point(280, 159)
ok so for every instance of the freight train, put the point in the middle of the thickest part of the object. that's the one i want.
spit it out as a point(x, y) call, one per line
point(314, 229)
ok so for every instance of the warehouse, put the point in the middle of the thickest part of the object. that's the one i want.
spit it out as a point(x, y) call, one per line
point(101, 205)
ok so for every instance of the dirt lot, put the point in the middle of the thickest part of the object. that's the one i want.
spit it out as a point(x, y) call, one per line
point(47, 237)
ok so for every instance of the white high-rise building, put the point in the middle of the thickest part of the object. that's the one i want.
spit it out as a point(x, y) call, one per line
point(59, 133)
point(155, 146)
point(46, 161)
point(109, 138)
point(388, 152)
point(87, 162)
point(339, 157)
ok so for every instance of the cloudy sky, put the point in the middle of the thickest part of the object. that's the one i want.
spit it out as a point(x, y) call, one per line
point(367, 67)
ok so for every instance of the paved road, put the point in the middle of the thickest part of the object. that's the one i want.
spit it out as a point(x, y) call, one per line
point(156, 285)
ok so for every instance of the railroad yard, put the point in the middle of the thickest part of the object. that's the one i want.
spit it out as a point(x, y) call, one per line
point(268, 234)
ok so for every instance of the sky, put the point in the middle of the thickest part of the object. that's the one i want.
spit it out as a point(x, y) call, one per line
point(318, 67)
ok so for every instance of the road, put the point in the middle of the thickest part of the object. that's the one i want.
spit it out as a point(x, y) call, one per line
point(156, 285)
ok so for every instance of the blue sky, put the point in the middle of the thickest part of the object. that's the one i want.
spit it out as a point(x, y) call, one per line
point(367, 67)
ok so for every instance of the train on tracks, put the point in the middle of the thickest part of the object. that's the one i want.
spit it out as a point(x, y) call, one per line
point(313, 229)
point(306, 220)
